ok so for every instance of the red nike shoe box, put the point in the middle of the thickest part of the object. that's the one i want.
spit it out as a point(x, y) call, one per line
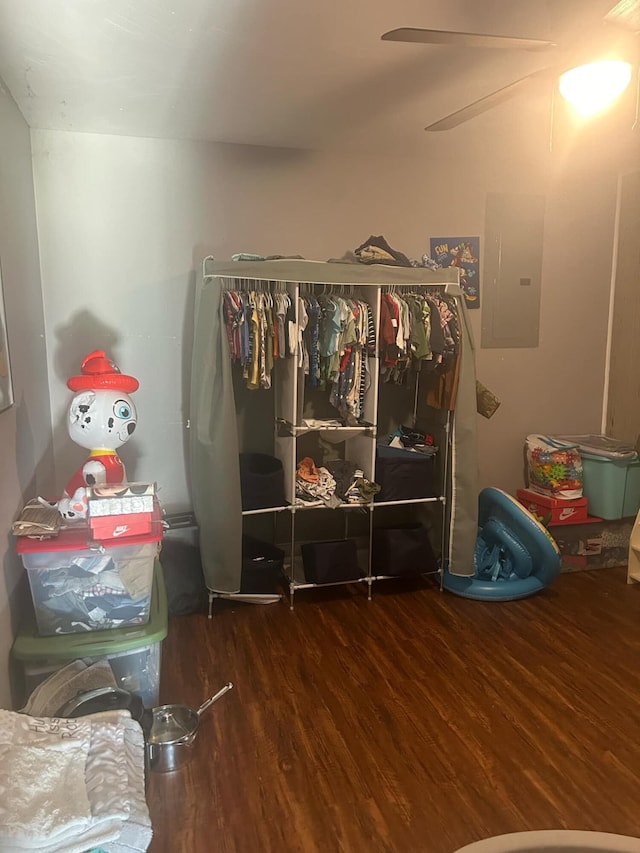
point(121, 526)
point(554, 510)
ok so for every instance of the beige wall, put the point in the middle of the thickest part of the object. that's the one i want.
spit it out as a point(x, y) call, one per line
point(557, 387)
point(25, 429)
point(124, 221)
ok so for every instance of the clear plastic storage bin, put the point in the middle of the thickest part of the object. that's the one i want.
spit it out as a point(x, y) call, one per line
point(134, 654)
point(79, 585)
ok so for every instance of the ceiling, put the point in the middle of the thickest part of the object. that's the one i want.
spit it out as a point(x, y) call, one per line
point(295, 73)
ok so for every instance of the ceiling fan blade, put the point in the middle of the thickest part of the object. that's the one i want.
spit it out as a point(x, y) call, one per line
point(488, 102)
point(626, 13)
point(419, 36)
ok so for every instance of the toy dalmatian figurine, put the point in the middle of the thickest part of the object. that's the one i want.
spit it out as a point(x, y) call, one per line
point(101, 418)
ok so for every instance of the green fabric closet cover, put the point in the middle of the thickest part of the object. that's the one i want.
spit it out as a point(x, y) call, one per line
point(215, 473)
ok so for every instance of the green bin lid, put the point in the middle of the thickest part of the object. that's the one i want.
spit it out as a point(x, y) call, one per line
point(29, 645)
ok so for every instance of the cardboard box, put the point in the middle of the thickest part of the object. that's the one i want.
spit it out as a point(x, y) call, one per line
point(594, 544)
point(121, 499)
point(129, 505)
point(551, 511)
point(120, 490)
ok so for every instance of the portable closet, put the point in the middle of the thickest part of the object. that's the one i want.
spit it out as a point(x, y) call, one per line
point(214, 449)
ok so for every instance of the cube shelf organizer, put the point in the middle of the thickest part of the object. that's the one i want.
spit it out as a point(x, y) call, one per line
point(325, 546)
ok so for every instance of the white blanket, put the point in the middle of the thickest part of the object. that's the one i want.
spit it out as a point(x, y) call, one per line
point(43, 792)
point(67, 786)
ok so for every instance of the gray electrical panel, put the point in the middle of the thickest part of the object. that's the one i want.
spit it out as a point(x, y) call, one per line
point(514, 227)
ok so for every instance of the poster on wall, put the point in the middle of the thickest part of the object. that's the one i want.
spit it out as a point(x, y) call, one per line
point(464, 253)
point(6, 387)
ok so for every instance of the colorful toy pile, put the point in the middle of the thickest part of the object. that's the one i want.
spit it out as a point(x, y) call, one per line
point(555, 467)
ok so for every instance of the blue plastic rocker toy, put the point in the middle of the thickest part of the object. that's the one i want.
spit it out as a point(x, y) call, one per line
point(514, 556)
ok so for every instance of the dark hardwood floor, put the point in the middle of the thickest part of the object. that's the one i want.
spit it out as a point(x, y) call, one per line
point(418, 721)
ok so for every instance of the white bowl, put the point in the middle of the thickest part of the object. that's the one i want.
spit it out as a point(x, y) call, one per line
point(555, 841)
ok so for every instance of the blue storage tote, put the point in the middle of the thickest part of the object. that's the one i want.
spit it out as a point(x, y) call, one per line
point(612, 486)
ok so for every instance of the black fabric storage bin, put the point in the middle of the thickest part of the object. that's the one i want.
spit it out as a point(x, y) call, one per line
point(261, 481)
point(261, 566)
point(330, 561)
point(402, 550)
point(404, 475)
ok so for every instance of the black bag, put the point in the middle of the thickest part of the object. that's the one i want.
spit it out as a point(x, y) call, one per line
point(402, 550)
point(404, 474)
point(261, 567)
point(183, 577)
point(330, 561)
point(261, 481)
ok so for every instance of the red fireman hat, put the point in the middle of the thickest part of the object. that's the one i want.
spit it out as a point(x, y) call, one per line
point(98, 371)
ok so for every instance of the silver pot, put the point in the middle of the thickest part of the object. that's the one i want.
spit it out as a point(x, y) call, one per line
point(173, 731)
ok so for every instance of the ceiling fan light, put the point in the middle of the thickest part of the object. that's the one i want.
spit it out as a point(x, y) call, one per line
point(592, 87)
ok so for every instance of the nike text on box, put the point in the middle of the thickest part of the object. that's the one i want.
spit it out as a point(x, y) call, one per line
point(553, 510)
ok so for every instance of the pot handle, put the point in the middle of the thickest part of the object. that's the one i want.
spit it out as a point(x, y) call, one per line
point(214, 698)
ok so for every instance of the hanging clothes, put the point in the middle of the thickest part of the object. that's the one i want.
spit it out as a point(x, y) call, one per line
point(256, 329)
point(338, 337)
point(330, 335)
point(441, 384)
point(419, 331)
point(405, 333)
